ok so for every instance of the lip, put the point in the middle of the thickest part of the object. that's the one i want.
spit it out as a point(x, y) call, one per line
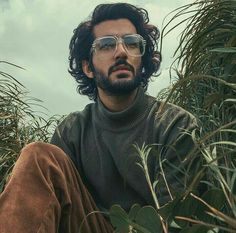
point(121, 71)
point(121, 68)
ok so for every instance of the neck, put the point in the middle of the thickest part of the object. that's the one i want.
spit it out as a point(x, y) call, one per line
point(116, 103)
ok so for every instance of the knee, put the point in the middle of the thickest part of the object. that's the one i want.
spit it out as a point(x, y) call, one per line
point(41, 151)
point(35, 148)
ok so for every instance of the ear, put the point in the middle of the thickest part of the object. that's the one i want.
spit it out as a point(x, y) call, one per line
point(87, 69)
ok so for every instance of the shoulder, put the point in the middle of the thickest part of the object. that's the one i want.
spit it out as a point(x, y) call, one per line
point(163, 109)
point(170, 115)
point(170, 110)
point(76, 119)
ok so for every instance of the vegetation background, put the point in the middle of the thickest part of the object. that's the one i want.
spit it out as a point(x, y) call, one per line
point(204, 83)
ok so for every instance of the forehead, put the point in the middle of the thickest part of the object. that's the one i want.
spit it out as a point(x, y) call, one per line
point(117, 27)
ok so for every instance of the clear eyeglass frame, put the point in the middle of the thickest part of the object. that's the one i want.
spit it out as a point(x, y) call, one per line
point(134, 45)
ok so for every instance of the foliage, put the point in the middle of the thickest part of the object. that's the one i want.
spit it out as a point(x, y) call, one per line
point(204, 74)
point(206, 70)
point(143, 220)
point(19, 124)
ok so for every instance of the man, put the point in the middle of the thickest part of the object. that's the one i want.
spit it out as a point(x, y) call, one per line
point(112, 57)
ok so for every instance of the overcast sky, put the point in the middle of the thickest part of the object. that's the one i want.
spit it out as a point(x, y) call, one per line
point(35, 34)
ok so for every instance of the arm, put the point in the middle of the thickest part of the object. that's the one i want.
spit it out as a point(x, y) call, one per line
point(66, 137)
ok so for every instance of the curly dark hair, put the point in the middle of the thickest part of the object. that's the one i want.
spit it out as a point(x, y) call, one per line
point(83, 38)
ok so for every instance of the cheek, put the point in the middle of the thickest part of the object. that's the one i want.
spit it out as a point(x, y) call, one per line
point(137, 63)
point(100, 65)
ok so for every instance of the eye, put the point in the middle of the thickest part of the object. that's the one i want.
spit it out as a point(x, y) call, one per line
point(106, 44)
point(132, 45)
point(132, 42)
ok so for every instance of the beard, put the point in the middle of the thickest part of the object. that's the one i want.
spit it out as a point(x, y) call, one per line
point(121, 86)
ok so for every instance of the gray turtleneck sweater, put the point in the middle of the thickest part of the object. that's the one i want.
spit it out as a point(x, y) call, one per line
point(100, 143)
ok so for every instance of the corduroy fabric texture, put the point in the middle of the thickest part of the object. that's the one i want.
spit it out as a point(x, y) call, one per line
point(45, 194)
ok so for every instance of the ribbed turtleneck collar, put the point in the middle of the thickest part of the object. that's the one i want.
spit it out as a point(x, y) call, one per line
point(124, 119)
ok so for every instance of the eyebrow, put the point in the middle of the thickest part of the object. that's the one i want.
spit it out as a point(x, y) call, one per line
point(117, 35)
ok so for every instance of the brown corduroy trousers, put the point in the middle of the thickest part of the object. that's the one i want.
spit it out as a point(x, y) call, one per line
point(45, 194)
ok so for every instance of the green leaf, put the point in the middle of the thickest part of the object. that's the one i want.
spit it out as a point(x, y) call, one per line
point(216, 199)
point(224, 143)
point(186, 207)
point(119, 219)
point(233, 183)
point(195, 229)
point(167, 210)
point(133, 211)
point(224, 50)
point(148, 218)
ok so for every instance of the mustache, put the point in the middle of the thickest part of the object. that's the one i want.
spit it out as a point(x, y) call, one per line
point(121, 62)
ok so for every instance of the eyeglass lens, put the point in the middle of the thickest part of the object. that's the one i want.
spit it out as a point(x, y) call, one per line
point(133, 44)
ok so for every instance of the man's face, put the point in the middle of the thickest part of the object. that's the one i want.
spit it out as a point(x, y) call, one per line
point(119, 72)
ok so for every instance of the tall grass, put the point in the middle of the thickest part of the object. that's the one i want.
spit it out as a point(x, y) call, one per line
point(205, 84)
point(19, 123)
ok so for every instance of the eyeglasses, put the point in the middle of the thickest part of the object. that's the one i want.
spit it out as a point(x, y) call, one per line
point(134, 45)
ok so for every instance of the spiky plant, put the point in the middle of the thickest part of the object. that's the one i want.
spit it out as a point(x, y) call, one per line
point(205, 84)
point(205, 62)
point(19, 124)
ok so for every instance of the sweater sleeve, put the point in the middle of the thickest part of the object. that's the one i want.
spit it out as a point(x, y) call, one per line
point(174, 168)
point(66, 137)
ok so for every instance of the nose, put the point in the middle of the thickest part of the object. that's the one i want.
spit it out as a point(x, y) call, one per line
point(120, 51)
